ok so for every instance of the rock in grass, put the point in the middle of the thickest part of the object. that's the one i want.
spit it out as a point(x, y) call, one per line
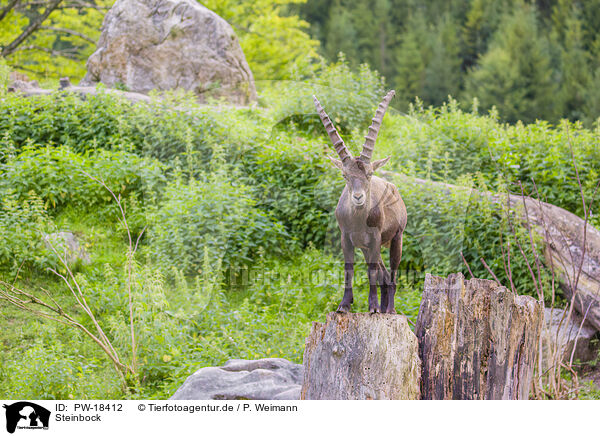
point(68, 247)
point(562, 334)
point(238, 379)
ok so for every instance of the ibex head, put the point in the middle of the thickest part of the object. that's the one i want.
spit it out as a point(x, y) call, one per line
point(357, 170)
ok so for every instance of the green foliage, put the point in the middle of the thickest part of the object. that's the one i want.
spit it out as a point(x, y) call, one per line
point(448, 144)
point(217, 214)
point(50, 370)
point(64, 120)
point(274, 41)
point(60, 45)
point(23, 223)
point(4, 75)
point(411, 63)
point(442, 74)
point(515, 74)
point(293, 184)
point(533, 60)
point(60, 176)
point(104, 121)
point(240, 254)
point(349, 97)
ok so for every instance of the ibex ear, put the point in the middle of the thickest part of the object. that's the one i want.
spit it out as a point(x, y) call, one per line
point(336, 162)
point(379, 163)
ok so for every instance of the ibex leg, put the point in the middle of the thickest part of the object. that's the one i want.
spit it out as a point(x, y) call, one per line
point(348, 297)
point(384, 284)
point(395, 257)
point(372, 256)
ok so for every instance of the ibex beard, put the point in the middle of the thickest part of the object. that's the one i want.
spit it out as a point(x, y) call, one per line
point(370, 214)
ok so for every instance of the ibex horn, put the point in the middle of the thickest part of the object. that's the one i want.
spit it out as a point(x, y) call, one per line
point(367, 151)
point(336, 139)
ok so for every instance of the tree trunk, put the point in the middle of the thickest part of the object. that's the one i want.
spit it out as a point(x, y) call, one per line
point(359, 356)
point(477, 340)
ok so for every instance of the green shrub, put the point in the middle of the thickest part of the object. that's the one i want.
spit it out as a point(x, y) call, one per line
point(349, 97)
point(60, 364)
point(66, 119)
point(162, 129)
point(217, 213)
point(4, 75)
point(447, 144)
point(23, 223)
point(58, 175)
point(444, 223)
point(294, 182)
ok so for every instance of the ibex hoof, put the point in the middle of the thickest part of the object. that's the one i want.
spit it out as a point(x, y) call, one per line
point(374, 310)
point(343, 309)
point(392, 311)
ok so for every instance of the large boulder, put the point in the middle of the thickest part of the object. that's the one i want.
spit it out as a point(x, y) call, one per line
point(239, 379)
point(169, 44)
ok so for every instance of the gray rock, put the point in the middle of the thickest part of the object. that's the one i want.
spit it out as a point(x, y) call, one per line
point(23, 85)
point(238, 379)
point(68, 247)
point(169, 44)
point(559, 336)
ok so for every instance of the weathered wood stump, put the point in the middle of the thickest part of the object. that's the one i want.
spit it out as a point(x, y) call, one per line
point(359, 356)
point(477, 340)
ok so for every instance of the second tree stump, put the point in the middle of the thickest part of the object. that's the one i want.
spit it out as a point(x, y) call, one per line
point(477, 340)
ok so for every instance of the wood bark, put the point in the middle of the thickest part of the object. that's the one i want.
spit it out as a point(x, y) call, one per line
point(359, 356)
point(477, 340)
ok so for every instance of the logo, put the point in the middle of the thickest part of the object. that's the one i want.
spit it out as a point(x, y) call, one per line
point(26, 415)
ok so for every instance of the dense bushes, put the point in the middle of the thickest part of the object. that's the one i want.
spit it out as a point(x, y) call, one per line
point(23, 221)
point(448, 144)
point(216, 214)
point(351, 95)
point(293, 182)
point(60, 176)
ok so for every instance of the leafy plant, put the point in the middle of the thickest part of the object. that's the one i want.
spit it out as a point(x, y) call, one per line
point(216, 213)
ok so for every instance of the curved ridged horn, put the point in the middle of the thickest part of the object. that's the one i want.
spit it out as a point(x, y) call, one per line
point(367, 151)
point(336, 139)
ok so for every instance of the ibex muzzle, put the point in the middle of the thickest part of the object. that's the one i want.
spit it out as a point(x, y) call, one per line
point(370, 214)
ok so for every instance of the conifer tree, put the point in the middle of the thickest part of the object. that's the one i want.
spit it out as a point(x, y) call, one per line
point(341, 35)
point(411, 58)
point(442, 74)
point(574, 69)
point(515, 75)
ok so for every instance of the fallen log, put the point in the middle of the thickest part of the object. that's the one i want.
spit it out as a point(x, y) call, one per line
point(477, 340)
point(359, 356)
point(28, 89)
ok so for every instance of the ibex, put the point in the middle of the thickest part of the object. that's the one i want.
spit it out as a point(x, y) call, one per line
point(370, 214)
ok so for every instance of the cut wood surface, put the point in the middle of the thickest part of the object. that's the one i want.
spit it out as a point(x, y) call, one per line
point(359, 356)
point(477, 340)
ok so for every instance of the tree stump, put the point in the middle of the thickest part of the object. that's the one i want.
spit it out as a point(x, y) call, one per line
point(477, 340)
point(359, 356)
